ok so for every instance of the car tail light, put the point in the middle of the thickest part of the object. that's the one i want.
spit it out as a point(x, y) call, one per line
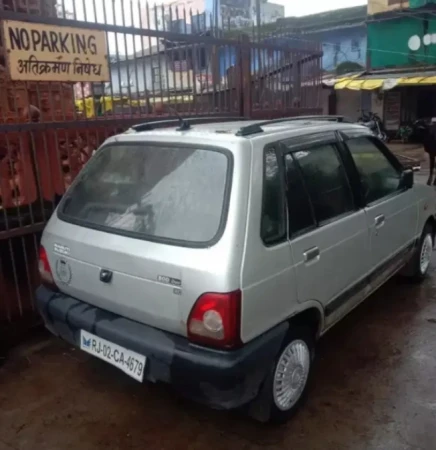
point(215, 320)
point(44, 268)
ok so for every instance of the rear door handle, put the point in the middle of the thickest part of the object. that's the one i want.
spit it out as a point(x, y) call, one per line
point(379, 221)
point(311, 254)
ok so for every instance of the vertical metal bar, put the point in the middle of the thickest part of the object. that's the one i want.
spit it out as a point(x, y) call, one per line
point(217, 74)
point(172, 52)
point(268, 82)
point(193, 65)
point(12, 185)
point(135, 63)
point(194, 70)
point(278, 71)
point(27, 173)
point(183, 64)
point(238, 82)
point(15, 275)
point(64, 137)
point(49, 171)
point(289, 80)
point(189, 70)
point(74, 10)
point(206, 50)
point(256, 72)
point(85, 16)
point(166, 60)
point(59, 162)
point(292, 80)
point(303, 85)
point(63, 9)
point(26, 265)
point(225, 86)
point(38, 178)
point(118, 65)
point(259, 78)
point(282, 78)
point(84, 97)
point(4, 298)
point(233, 101)
point(25, 145)
point(94, 10)
point(111, 82)
point(129, 91)
point(144, 71)
point(270, 78)
point(159, 58)
point(258, 19)
point(276, 77)
point(6, 185)
point(9, 188)
point(151, 53)
point(302, 65)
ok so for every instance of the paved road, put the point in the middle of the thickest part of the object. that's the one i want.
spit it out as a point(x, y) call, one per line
point(374, 388)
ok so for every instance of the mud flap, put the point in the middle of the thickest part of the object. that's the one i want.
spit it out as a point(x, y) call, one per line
point(409, 269)
point(260, 408)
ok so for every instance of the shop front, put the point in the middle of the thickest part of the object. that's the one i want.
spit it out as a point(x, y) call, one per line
point(399, 96)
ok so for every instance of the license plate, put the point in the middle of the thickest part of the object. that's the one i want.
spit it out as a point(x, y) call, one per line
point(130, 362)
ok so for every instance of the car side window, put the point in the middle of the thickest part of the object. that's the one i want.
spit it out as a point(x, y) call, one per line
point(299, 207)
point(326, 182)
point(378, 176)
point(273, 222)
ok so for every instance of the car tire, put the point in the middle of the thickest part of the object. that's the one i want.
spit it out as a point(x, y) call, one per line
point(419, 265)
point(285, 388)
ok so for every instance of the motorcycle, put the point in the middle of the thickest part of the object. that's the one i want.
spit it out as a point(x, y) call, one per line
point(375, 124)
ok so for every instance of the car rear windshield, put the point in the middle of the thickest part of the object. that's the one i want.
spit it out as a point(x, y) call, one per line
point(149, 191)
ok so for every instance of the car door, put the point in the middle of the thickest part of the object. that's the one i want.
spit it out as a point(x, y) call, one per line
point(327, 230)
point(391, 211)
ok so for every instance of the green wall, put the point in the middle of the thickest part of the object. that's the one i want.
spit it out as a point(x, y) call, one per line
point(420, 3)
point(388, 42)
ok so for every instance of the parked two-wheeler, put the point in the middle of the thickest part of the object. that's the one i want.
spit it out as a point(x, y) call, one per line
point(375, 124)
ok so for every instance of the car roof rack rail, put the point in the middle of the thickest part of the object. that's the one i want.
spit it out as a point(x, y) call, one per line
point(257, 127)
point(188, 120)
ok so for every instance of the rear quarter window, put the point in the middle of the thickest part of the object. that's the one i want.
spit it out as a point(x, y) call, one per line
point(174, 194)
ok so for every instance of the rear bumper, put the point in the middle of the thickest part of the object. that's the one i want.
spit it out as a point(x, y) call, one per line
point(220, 379)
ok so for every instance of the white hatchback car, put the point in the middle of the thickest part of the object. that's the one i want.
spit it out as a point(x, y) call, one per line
point(212, 257)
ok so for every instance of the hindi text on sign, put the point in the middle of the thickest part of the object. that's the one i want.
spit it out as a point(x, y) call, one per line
point(38, 52)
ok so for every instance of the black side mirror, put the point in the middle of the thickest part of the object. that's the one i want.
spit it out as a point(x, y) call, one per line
point(407, 179)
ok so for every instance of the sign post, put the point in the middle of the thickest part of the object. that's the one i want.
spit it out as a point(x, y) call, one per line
point(38, 52)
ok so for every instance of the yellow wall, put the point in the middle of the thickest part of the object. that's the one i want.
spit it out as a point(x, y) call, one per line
point(380, 6)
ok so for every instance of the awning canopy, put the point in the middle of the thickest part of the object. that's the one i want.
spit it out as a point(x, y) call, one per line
point(386, 80)
point(358, 85)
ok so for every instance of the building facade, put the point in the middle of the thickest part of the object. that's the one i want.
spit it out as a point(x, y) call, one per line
point(197, 15)
point(269, 12)
point(402, 57)
point(402, 34)
point(342, 33)
point(343, 36)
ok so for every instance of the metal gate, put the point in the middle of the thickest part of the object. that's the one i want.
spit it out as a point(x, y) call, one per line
point(161, 61)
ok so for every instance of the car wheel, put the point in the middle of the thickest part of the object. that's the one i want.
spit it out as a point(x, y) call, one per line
point(420, 263)
point(285, 388)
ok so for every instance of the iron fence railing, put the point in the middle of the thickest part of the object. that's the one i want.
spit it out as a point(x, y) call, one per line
point(162, 61)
